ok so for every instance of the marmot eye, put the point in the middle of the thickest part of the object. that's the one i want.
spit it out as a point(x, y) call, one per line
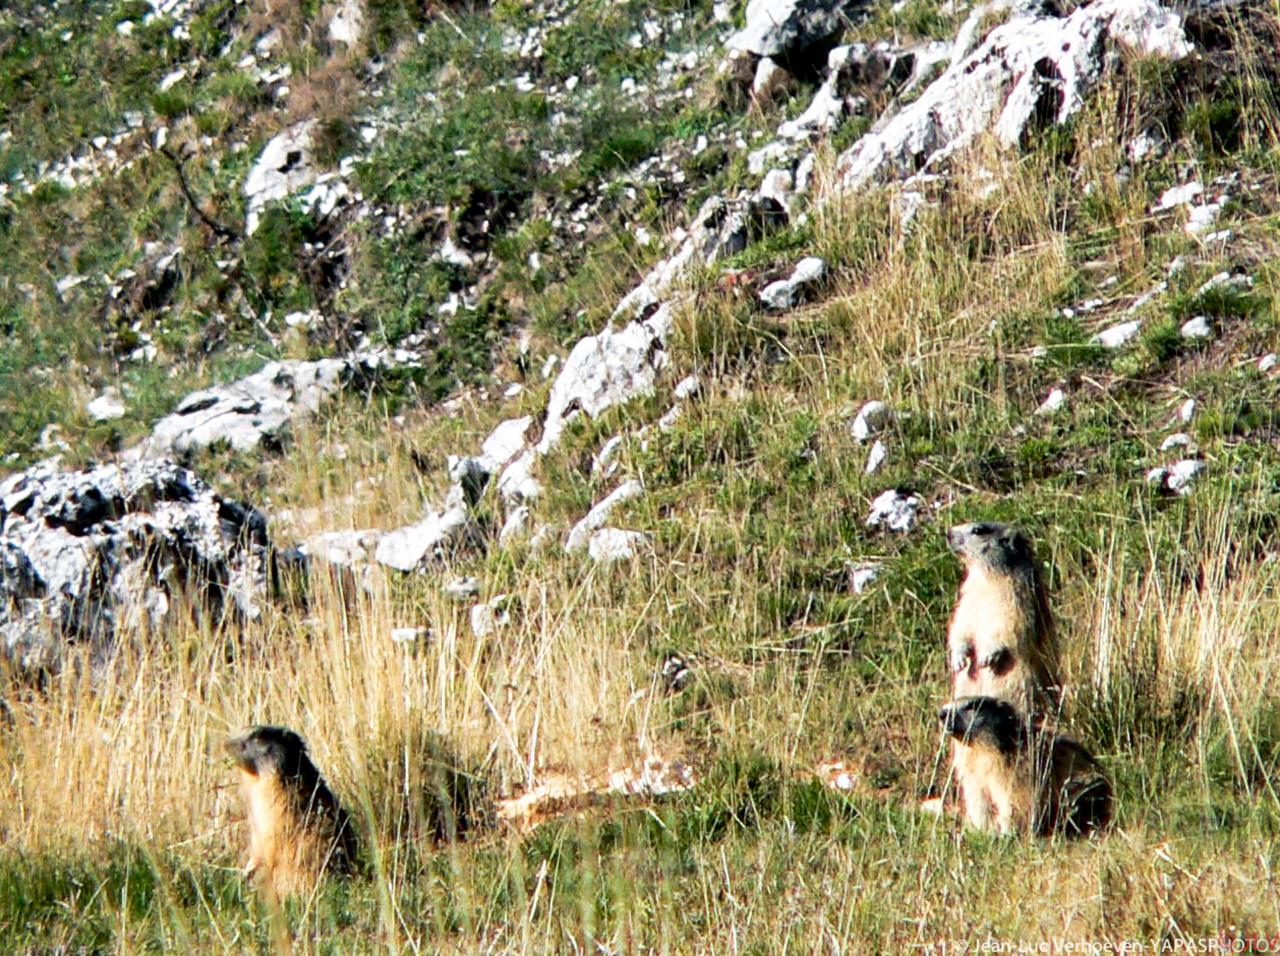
point(982, 529)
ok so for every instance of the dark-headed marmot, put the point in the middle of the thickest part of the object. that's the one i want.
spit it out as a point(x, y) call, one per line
point(1017, 776)
point(297, 829)
point(1002, 641)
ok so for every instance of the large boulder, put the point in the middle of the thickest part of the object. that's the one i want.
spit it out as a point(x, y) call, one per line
point(85, 554)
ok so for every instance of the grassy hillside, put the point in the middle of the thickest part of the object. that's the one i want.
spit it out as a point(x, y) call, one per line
point(122, 829)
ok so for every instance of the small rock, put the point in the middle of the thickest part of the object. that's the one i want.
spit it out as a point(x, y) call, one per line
point(1177, 478)
point(612, 544)
point(687, 388)
point(1176, 196)
point(462, 589)
point(1177, 440)
point(1196, 329)
point(862, 575)
point(1118, 336)
point(872, 419)
point(409, 635)
point(784, 293)
point(597, 516)
point(1202, 219)
point(1268, 362)
point(1056, 400)
point(895, 511)
point(1187, 410)
point(1228, 282)
point(486, 619)
point(876, 457)
point(106, 407)
point(515, 527)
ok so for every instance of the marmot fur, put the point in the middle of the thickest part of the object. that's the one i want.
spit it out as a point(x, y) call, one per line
point(1002, 641)
point(297, 828)
point(1017, 776)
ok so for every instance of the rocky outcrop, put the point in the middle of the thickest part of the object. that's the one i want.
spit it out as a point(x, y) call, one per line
point(1033, 70)
point(786, 28)
point(255, 410)
point(85, 554)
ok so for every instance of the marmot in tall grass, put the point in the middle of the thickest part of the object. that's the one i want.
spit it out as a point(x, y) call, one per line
point(1018, 776)
point(1002, 641)
point(297, 828)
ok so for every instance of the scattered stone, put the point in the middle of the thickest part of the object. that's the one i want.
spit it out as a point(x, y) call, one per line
point(1056, 400)
point(612, 544)
point(515, 527)
point(1268, 362)
point(1176, 440)
point(486, 619)
point(410, 635)
point(347, 25)
point(106, 407)
point(516, 484)
point(462, 589)
point(785, 293)
point(1202, 219)
point(861, 576)
point(579, 537)
point(1196, 329)
point(284, 167)
point(872, 419)
point(687, 388)
point(436, 538)
point(1176, 196)
point(1118, 336)
point(504, 443)
point(895, 511)
point(876, 457)
point(1237, 283)
point(1177, 478)
point(1187, 410)
point(343, 548)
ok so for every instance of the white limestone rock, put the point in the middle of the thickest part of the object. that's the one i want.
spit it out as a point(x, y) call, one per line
point(596, 518)
point(608, 545)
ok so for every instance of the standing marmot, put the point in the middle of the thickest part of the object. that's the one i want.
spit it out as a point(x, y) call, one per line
point(1017, 776)
point(1002, 641)
point(297, 829)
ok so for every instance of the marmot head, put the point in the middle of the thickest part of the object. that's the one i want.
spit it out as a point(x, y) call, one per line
point(998, 547)
point(985, 722)
point(274, 750)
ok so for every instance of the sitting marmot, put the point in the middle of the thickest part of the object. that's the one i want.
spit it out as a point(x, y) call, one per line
point(1017, 776)
point(297, 829)
point(1002, 641)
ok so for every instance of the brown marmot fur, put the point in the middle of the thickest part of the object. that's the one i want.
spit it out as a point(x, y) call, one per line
point(297, 828)
point(1002, 641)
point(1018, 776)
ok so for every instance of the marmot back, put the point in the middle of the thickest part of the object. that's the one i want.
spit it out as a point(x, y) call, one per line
point(1018, 776)
point(297, 828)
point(1002, 641)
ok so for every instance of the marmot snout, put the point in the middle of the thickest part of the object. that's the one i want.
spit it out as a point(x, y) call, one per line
point(1017, 776)
point(1002, 641)
point(297, 828)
